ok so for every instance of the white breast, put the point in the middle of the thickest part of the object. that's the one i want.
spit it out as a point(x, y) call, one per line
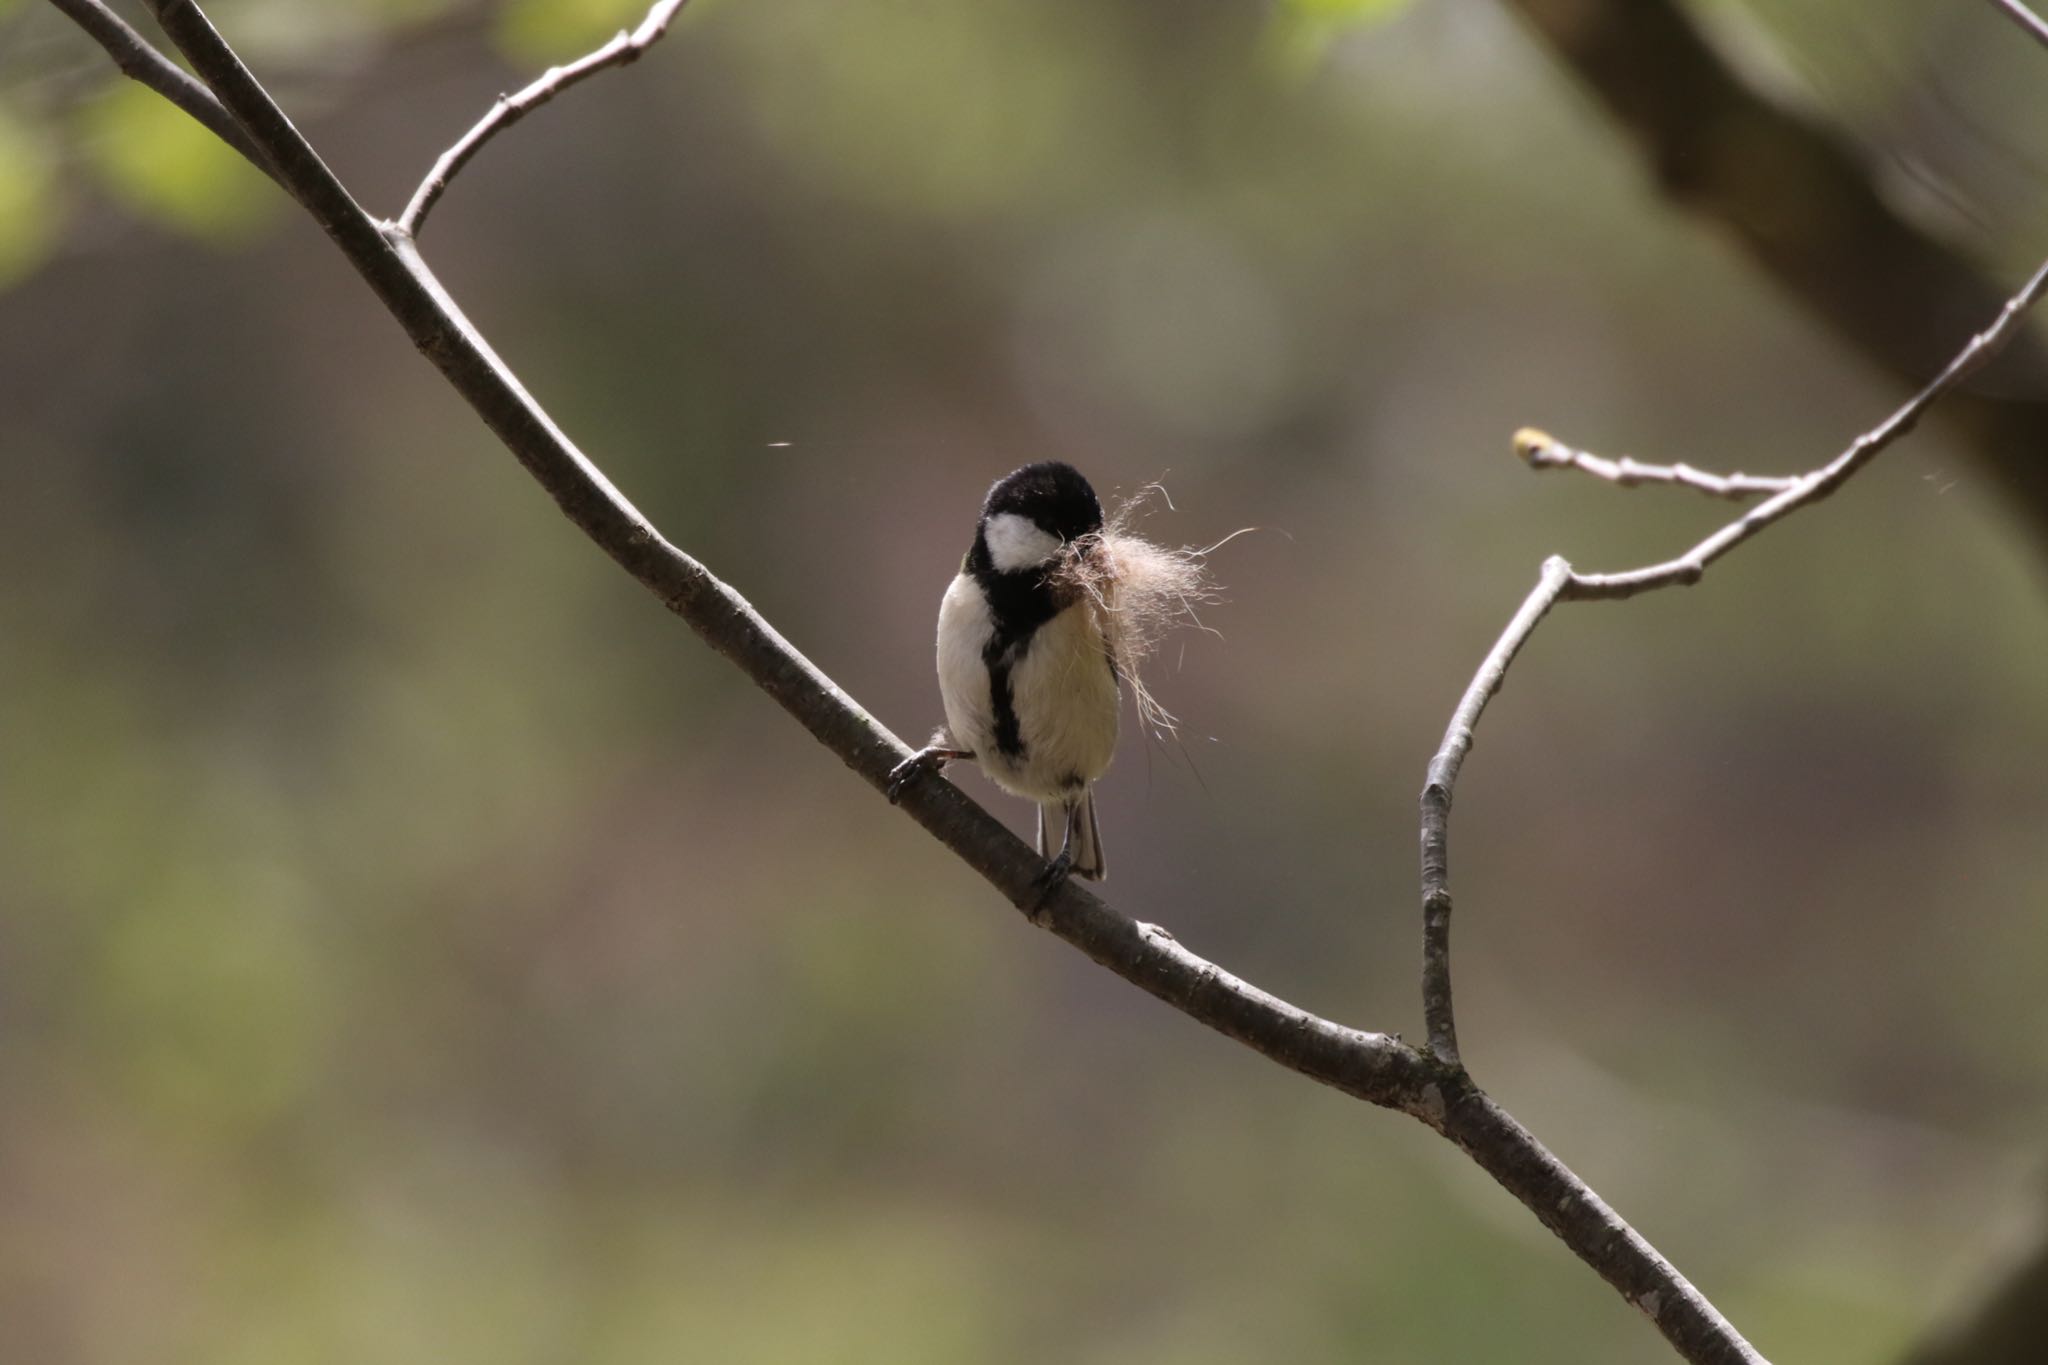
point(1062, 689)
point(964, 629)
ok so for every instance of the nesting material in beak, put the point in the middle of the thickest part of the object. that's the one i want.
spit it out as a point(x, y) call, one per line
point(1139, 592)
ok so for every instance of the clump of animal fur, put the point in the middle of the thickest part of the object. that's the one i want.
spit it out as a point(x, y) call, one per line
point(1139, 592)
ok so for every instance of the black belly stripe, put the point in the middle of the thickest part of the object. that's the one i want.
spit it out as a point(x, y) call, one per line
point(1009, 738)
point(1019, 603)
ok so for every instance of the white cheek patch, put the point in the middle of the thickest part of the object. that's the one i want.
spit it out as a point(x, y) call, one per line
point(1016, 542)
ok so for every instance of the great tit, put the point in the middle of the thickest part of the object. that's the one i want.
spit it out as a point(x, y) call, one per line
point(1029, 683)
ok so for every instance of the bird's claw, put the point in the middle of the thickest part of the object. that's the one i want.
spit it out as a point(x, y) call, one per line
point(910, 770)
point(1048, 882)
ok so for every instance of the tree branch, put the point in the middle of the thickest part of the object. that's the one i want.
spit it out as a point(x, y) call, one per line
point(140, 61)
point(1540, 450)
point(1800, 200)
point(624, 48)
point(1378, 1068)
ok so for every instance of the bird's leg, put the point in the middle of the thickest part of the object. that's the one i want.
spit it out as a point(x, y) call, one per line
point(1059, 868)
point(929, 759)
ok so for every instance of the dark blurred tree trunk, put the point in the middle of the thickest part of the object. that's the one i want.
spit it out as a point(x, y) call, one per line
point(1800, 200)
point(2008, 1325)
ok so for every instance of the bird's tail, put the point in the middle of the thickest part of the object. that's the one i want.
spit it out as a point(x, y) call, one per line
point(1087, 838)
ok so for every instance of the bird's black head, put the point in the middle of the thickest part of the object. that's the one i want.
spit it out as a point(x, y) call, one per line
point(1032, 513)
point(1030, 518)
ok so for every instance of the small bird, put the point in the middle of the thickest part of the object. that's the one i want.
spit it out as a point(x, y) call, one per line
point(1029, 682)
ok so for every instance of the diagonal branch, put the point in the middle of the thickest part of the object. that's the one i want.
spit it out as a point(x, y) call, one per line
point(1541, 450)
point(624, 48)
point(1378, 1068)
point(139, 61)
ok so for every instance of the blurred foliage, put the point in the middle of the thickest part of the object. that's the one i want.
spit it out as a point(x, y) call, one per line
point(1300, 31)
point(999, 94)
point(547, 32)
point(414, 946)
point(163, 166)
point(29, 216)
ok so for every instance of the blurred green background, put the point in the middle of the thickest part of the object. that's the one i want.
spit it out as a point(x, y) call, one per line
point(416, 946)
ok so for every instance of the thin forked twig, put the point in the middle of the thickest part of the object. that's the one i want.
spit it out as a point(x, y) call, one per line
point(2026, 19)
point(1437, 1013)
point(1375, 1067)
point(1541, 450)
point(1811, 488)
point(624, 48)
point(1559, 582)
point(141, 62)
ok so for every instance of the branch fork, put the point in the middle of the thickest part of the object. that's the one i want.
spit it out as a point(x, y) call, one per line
point(623, 49)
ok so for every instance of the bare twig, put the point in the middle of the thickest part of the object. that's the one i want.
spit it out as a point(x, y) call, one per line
point(1436, 808)
point(1560, 583)
point(623, 49)
point(2026, 19)
point(1540, 450)
point(1811, 488)
point(140, 61)
point(1374, 1067)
